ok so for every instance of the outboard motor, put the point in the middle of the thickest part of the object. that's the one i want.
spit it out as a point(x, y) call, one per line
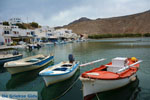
point(71, 58)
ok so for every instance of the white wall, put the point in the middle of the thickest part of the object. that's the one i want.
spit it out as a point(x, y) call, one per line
point(1, 36)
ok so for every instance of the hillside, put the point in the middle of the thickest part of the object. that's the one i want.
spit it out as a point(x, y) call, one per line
point(137, 23)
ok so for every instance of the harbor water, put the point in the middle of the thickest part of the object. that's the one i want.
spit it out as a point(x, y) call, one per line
point(91, 50)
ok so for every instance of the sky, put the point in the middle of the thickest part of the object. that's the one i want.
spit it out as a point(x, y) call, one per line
point(62, 12)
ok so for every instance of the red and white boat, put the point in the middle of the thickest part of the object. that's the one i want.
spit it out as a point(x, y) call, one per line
point(115, 74)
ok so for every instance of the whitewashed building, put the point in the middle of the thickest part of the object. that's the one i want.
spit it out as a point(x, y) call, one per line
point(14, 21)
point(65, 33)
point(14, 34)
point(6, 34)
point(10, 34)
point(2, 40)
point(45, 33)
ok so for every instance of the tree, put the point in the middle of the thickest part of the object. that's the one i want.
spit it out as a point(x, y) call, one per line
point(20, 25)
point(34, 24)
point(6, 23)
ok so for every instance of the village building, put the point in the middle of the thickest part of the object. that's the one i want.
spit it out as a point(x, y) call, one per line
point(14, 21)
point(12, 34)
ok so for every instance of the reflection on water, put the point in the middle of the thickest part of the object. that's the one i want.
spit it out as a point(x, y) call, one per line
point(59, 89)
point(128, 92)
point(24, 77)
point(2, 69)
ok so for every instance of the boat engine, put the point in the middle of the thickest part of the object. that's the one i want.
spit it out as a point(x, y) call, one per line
point(71, 58)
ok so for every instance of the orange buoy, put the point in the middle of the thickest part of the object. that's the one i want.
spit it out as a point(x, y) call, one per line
point(133, 59)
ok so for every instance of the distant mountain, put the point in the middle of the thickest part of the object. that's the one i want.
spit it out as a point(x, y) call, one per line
point(136, 23)
point(82, 19)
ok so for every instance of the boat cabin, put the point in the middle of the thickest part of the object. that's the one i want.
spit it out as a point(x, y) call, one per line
point(117, 63)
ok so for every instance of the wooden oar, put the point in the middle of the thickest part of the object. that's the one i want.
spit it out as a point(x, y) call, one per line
point(92, 62)
point(126, 67)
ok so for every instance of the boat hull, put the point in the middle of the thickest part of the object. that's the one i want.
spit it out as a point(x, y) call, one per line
point(18, 69)
point(93, 86)
point(57, 78)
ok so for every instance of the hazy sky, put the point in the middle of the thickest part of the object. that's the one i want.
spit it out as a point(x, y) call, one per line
point(62, 12)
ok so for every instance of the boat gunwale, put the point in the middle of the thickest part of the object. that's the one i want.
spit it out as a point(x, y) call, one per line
point(13, 56)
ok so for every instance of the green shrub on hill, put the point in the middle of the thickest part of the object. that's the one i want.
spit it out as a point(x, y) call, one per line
point(6, 23)
point(21, 26)
point(34, 25)
point(99, 36)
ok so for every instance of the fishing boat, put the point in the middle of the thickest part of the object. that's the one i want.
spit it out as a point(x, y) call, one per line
point(60, 88)
point(59, 72)
point(9, 57)
point(29, 63)
point(118, 73)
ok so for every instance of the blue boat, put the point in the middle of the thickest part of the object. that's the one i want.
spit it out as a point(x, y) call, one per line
point(29, 63)
point(9, 57)
point(59, 72)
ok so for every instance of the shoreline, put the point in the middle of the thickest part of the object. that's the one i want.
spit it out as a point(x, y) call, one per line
point(104, 36)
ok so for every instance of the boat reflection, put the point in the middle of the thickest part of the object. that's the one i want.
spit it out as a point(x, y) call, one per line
point(128, 92)
point(55, 91)
point(2, 69)
point(24, 77)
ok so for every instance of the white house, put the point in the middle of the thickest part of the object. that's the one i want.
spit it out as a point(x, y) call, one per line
point(39, 34)
point(45, 33)
point(65, 34)
point(12, 33)
point(13, 21)
point(6, 33)
point(2, 40)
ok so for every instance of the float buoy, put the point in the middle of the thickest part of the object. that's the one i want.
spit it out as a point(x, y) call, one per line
point(133, 59)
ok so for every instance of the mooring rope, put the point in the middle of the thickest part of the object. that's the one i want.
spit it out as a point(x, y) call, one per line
point(97, 97)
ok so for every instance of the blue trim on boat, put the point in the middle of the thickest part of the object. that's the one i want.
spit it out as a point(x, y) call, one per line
point(44, 61)
point(2, 61)
point(49, 73)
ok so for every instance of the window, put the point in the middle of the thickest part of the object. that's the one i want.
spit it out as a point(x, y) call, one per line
point(6, 32)
point(32, 33)
point(28, 33)
point(15, 32)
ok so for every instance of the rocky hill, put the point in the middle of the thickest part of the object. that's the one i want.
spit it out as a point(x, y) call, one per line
point(137, 23)
point(82, 19)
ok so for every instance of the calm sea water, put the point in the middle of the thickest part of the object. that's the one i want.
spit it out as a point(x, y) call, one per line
point(71, 89)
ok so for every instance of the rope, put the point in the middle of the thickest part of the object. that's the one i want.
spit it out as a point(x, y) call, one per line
point(97, 97)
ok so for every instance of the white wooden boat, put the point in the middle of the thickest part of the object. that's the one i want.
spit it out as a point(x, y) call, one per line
point(60, 88)
point(28, 63)
point(59, 72)
point(9, 57)
point(116, 74)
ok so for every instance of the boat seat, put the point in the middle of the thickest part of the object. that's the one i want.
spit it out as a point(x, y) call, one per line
point(60, 69)
point(109, 65)
point(66, 65)
point(40, 58)
point(33, 60)
point(112, 68)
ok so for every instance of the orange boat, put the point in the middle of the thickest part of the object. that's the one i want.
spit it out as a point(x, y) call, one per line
point(115, 74)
